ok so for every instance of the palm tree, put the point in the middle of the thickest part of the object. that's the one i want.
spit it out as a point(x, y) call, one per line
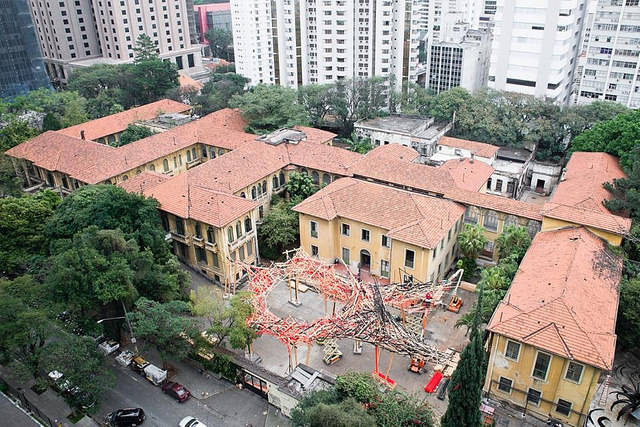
point(472, 240)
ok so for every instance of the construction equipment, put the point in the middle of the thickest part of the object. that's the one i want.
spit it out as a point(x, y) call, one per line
point(331, 351)
point(416, 364)
point(455, 304)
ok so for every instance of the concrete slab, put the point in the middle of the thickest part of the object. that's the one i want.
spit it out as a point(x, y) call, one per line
point(12, 415)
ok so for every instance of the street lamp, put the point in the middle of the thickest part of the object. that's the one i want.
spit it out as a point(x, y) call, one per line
point(133, 339)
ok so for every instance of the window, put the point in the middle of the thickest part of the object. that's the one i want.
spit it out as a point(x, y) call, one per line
point(201, 255)
point(386, 242)
point(384, 268)
point(230, 234)
point(180, 226)
point(505, 385)
point(314, 250)
point(211, 237)
point(574, 372)
point(489, 184)
point(487, 249)
point(247, 225)
point(314, 229)
point(346, 255)
point(409, 257)
point(216, 261)
point(512, 350)
point(274, 182)
point(365, 235)
point(499, 185)
point(541, 367)
point(198, 230)
point(241, 253)
point(315, 177)
point(564, 407)
point(345, 229)
point(534, 396)
point(533, 227)
point(253, 192)
point(250, 248)
point(511, 221)
point(281, 178)
point(326, 179)
point(471, 215)
point(238, 229)
point(491, 221)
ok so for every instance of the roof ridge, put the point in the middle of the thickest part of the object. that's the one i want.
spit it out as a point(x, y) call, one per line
point(595, 348)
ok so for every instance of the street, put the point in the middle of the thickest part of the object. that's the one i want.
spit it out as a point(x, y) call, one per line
point(214, 402)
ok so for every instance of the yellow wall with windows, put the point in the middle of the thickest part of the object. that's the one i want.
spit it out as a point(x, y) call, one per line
point(554, 387)
point(554, 224)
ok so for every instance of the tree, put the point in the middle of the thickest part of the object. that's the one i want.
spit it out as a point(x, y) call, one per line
point(279, 229)
point(359, 145)
point(145, 49)
point(347, 413)
point(133, 133)
point(446, 103)
point(300, 186)
point(97, 80)
point(220, 42)
point(628, 325)
point(23, 228)
point(465, 388)
point(80, 362)
point(164, 325)
point(10, 183)
point(353, 100)
point(63, 108)
point(416, 100)
point(14, 133)
point(75, 112)
point(219, 89)
point(471, 240)
point(316, 100)
point(513, 240)
point(579, 118)
point(148, 80)
point(270, 107)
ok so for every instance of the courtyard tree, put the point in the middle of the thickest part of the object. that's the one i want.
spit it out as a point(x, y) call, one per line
point(133, 133)
point(446, 103)
point(279, 229)
point(358, 144)
point(300, 186)
point(270, 107)
point(514, 240)
point(471, 240)
point(145, 49)
point(165, 326)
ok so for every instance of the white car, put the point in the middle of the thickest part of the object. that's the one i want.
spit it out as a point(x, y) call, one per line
point(57, 378)
point(108, 347)
point(125, 358)
point(190, 422)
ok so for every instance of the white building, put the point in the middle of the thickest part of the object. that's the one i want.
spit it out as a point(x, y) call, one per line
point(489, 8)
point(76, 34)
point(460, 59)
point(299, 42)
point(610, 71)
point(535, 44)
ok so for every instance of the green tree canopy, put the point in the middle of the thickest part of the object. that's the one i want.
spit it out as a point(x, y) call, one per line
point(23, 226)
point(471, 240)
point(513, 241)
point(220, 42)
point(353, 100)
point(300, 186)
point(270, 107)
point(628, 325)
point(359, 145)
point(145, 49)
point(133, 133)
point(218, 91)
point(316, 100)
point(279, 229)
point(448, 102)
point(14, 133)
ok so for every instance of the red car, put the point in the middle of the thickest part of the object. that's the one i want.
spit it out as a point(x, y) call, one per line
point(177, 391)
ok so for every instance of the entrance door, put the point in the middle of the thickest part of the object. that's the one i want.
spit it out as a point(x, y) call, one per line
point(365, 259)
point(540, 186)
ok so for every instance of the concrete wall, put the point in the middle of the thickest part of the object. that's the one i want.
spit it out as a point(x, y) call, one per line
point(548, 173)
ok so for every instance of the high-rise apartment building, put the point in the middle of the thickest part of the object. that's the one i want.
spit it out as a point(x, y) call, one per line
point(77, 33)
point(535, 44)
point(298, 42)
point(610, 70)
point(489, 8)
point(21, 66)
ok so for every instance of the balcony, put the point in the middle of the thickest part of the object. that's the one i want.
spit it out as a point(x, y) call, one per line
point(179, 237)
point(212, 246)
point(192, 163)
point(198, 241)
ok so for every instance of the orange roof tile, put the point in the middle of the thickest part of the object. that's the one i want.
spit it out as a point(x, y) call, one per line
point(143, 182)
point(580, 197)
point(182, 197)
point(496, 203)
point(564, 297)
point(118, 122)
point(327, 158)
point(468, 174)
point(412, 218)
point(316, 136)
point(186, 81)
point(477, 148)
point(393, 151)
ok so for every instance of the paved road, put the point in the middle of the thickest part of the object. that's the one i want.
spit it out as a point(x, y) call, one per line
point(222, 405)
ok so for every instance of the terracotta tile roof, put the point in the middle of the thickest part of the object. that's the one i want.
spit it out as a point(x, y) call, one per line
point(467, 174)
point(496, 203)
point(182, 197)
point(118, 122)
point(564, 298)
point(186, 81)
point(477, 148)
point(142, 182)
point(316, 136)
point(228, 118)
point(58, 152)
point(413, 218)
point(580, 197)
point(322, 157)
point(393, 151)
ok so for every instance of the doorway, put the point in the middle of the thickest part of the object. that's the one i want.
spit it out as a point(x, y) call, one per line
point(540, 186)
point(365, 259)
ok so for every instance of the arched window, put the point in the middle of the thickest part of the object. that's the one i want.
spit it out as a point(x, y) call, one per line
point(212, 152)
point(326, 179)
point(282, 178)
point(238, 229)
point(204, 151)
point(315, 177)
point(259, 189)
point(198, 230)
point(211, 237)
point(491, 220)
point(125, 177)
point(165, 165)
point(138, 172)
point(264, 187)
point(247, 224)
point(511, 221)
point(220, 151)
point(471, 215)
point(152, 167)
point(230, 234)
point(253, 192)
point(274, 182)
point(244, 196)
point(193, 153)
point(188, 156)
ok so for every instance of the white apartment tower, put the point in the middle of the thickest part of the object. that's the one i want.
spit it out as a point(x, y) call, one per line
point(610, 71)
point(300, 42)
point(77, 33)
point(535, 44)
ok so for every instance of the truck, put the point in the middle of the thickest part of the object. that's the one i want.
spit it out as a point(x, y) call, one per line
point(155, 375)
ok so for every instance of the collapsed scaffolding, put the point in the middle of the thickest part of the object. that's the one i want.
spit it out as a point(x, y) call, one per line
point(364, 316)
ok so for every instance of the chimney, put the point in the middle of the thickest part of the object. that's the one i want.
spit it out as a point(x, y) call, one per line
point(82, 134)
point(472, 158)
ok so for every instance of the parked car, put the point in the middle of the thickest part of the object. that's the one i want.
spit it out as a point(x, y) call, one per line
point(154, 374)
point(125, 358)
point(108, 347)
point(59, 382)
point(190, 422)
point(138, 364)
point(127, 417)
point(66, 387)
point(177, 391)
